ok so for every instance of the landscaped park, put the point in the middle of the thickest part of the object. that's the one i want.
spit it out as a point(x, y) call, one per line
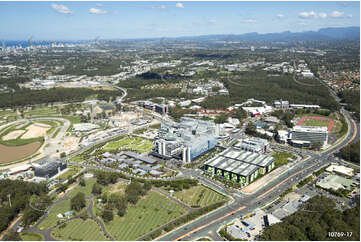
point(119, 209)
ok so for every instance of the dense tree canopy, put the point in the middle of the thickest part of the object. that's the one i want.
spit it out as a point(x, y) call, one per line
point(351, 152)
point(19, 193)
point(25, 97)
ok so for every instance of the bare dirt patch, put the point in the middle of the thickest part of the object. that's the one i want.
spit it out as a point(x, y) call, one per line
point(13, 153)
point(36, 130)
point(70, 143)
point(13, 135)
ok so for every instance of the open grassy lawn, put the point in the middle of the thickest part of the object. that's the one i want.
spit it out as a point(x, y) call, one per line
point(73, 120)
point(136, 144)
point(118, 187)
point(314, 122)
point(31, 236)
point(77, 158)
point(10, 114)
point(41, 111)
point(150, 212)
point(72, 170)
point(281, 158)
point(61, 207)
point(78, 229)
point(52, 219)
point(199, 196)
point(86, 190)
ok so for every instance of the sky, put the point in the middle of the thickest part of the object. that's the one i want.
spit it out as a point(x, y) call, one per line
point(66, 20)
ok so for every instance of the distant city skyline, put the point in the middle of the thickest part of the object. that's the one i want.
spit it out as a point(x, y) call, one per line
point(127, 20)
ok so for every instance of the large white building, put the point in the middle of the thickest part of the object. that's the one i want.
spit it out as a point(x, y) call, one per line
point(309, 135)
point(186, 140)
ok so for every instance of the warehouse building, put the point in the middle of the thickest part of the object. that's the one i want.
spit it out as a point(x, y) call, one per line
point(49, 169)
point(239, 166)
point(306, 136)
point(186, 140)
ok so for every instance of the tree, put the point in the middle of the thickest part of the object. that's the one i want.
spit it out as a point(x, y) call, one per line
point(317, 146)
point(82, 182)
point(97, 189)
point(221, 119)
point(12, 236)
point(351, 152)
point(78, 201)
point(107, 214)
point(251, 129)
point(62, 155)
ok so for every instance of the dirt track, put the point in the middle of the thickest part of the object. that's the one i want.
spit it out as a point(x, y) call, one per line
point(12, 153)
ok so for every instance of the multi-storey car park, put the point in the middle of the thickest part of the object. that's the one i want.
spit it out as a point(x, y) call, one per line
point(239, 165)
point(309, 135)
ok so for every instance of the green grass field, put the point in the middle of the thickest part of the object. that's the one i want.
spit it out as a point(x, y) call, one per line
point(77, 158)
point(86, 190)
point(73, 120)
point(41, 111)
point(118, 187)
point(313, 122)
point(199, 196)
point(52, 219)
point(281, 158)
point(31, 237)
point(136, 144)
point(64, 206)
point(150, 212)
point(72, 170)
point(78, 229)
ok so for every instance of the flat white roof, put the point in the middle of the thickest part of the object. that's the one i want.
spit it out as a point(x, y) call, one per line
point(311, 129)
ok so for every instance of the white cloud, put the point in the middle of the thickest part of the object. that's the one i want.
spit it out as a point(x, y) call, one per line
point(349, 16)
point(179, 5)
point(61, 8)
point(310, 14)
point(337, 14)
point(322, 15)
point(251, 21)
point(97, 11)
point(280, 15)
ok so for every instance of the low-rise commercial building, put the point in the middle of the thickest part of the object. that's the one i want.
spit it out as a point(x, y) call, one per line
point(253, 144)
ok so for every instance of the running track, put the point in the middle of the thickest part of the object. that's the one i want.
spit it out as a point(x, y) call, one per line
point(317, 118)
